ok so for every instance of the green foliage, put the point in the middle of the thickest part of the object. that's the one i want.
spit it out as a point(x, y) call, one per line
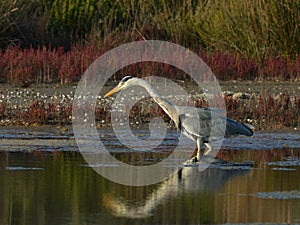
point(253, 28)
point(73, 15)
point(10, 18)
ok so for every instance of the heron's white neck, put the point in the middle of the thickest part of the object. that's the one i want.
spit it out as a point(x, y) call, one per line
point(165, 104)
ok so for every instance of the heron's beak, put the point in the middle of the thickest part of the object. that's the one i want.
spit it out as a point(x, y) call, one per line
point(111, 92)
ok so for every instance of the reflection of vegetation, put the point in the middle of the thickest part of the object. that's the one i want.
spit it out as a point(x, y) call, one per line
point(26, 199)
point(67, 193)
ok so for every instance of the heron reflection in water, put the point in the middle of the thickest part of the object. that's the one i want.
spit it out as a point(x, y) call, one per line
point(192, 182)
point(196, 127)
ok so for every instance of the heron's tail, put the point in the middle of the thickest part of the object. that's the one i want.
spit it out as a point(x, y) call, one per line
point(247, 129)
point(236, 128)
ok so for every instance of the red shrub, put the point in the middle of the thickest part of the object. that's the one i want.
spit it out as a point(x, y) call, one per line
point(47, 64)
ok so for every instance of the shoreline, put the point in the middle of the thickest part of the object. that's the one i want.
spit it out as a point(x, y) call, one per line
point(54, 139)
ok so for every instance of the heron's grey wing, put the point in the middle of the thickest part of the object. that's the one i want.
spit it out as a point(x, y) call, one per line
point(198, 122)
point(195, 122)
point(221, 122)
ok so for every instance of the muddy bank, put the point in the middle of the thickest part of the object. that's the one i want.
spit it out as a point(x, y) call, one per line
point(55, 138)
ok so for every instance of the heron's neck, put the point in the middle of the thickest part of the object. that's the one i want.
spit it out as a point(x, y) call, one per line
point(165, 104)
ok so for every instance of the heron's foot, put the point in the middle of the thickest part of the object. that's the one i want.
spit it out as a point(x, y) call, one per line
point(195, 159)
point(206, 159)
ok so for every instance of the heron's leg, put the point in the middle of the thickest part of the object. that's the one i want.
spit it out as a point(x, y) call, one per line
point(180, 174)
point(199, 145)
point(209, 149)
point(211, 158)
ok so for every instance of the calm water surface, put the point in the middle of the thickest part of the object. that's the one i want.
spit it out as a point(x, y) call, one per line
point(45, 180)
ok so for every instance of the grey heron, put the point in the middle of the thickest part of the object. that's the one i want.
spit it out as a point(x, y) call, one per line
point(196, 127)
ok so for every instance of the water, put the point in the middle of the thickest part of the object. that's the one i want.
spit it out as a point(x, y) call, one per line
point(45, 180)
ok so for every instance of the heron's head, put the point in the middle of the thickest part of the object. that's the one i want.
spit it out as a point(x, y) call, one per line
point(124, 83)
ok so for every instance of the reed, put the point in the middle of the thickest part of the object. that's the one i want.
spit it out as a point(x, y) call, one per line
point(254, 28)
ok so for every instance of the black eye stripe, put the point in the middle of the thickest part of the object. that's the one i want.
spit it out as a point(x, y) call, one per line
point(126, 79)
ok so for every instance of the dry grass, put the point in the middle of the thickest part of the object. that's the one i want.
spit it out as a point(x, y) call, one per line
point(263, 112)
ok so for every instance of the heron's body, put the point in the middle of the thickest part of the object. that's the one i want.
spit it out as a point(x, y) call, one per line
point(189, 123)
point(195, 123)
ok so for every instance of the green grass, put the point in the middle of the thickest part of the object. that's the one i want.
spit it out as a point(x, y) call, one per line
point(253, 28)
